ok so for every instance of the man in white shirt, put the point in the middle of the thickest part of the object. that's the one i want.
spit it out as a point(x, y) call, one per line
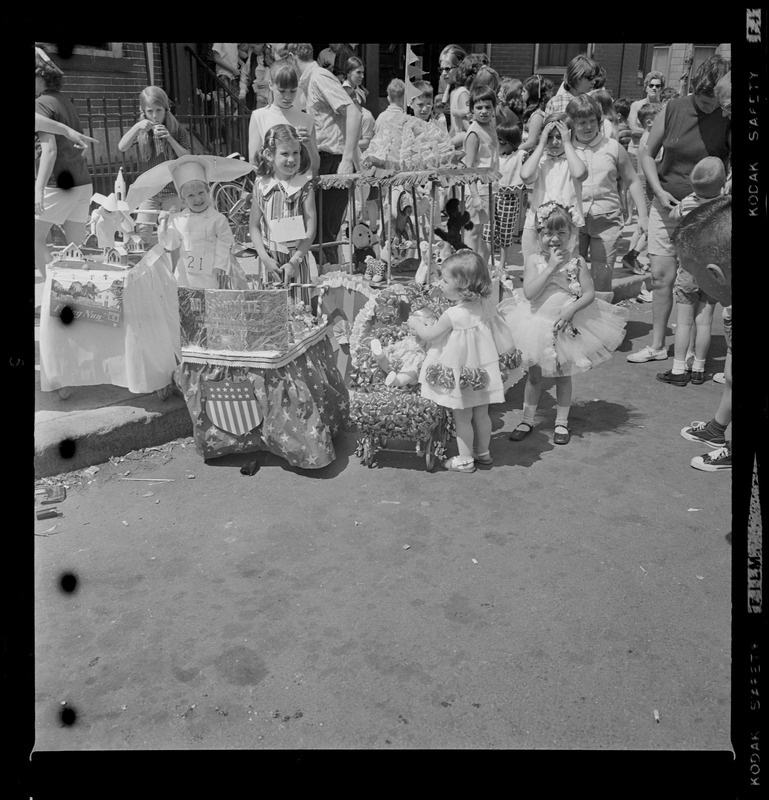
point(337, 131)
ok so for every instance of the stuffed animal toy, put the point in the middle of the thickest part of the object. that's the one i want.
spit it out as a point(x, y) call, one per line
point(432, 268)
point(458, 220)
point(402, 359)
point(363, 241)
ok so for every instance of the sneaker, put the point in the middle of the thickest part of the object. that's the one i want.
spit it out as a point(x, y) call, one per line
point(696, 433)
point(648, 354)
point(456, 464)
point(714, 461)
point(673, 379)
point(633, 264)
point(645, 296)
point(719, 378)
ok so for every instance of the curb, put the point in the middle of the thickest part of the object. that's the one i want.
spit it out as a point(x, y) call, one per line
point(101, 433)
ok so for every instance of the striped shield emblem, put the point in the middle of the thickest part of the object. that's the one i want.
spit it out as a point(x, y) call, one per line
point(232, 406)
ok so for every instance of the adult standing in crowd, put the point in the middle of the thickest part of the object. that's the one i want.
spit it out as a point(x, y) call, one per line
point(654, 83)
point(449, 60)
point(578, 79)
point(227, 64)
point(337, 130)
point(688, 129)
point(63, 187)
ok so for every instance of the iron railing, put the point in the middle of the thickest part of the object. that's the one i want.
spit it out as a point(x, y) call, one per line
point(217, 121)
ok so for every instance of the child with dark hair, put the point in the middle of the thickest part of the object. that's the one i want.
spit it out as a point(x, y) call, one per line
point(283, 218)
point(481, 150)
point(508, 194)
point(553, 171)
point(537, 91)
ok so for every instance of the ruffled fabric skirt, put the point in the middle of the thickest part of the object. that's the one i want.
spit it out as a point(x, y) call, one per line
point(463, 369)
point(600, 330)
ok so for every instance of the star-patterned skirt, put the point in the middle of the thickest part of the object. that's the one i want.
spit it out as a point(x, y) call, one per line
point(294, 410)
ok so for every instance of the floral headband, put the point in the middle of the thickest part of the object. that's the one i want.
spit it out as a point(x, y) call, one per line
point(546, 209)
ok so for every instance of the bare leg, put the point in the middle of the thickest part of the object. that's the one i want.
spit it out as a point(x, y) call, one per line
point(663, 273)
point(684, 326)
point(563, 389)
point(723, 415)
point(482, 428)
point(42, 253)
point(463, 420)
point(703, 330)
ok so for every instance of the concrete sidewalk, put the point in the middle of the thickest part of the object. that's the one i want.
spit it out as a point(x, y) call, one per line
point(98, 422)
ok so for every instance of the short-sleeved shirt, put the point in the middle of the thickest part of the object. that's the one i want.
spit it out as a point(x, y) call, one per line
point(554, 181)
point(688, 137)
point(265, 118)
point(325, 99)
point(228, 52)
point(59, 107)
point(599, 189)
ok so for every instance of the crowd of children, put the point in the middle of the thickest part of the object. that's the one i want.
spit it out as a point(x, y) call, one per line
point(574, 161)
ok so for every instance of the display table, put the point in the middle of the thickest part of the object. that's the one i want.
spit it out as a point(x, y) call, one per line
point(125, 329)
point(289, 404)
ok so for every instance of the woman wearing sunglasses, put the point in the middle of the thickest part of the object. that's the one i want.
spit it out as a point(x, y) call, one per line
point(654, 83)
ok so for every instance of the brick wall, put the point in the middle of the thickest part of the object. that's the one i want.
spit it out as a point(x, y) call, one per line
point(101, 77)
point(513, 60)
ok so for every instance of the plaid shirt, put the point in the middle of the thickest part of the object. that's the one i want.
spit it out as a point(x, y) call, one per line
point(559, 101)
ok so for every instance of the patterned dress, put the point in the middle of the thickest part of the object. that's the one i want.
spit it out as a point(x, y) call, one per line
point(281, 200)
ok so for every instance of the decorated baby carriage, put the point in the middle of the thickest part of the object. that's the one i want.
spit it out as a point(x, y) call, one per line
point(381, 409)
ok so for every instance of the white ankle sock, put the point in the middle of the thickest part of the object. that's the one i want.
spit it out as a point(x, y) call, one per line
point(528, 414)
point(698, 365)
point(562, 415)
point(679, 367)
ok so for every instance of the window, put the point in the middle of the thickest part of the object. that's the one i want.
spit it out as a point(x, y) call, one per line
point(552, 59)
point(104, 49)
point(660, 60)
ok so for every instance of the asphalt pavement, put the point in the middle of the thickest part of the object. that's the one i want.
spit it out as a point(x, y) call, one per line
point(570, 597)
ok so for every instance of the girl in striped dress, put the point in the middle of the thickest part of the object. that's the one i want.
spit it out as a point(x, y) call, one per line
point(283, 218)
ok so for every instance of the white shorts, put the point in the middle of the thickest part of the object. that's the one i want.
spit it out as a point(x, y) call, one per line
point(66, 205)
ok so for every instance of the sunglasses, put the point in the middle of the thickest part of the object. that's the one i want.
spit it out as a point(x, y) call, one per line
point(655, 85)
point(446, 69)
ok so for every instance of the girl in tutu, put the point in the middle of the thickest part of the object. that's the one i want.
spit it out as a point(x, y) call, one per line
point(560, 328)
point(461, 369)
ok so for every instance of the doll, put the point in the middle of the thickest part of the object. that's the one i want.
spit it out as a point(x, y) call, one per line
point(438, 254)
point(402, 359)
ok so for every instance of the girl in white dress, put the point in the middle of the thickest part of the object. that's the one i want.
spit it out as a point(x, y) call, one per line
point(461, 368)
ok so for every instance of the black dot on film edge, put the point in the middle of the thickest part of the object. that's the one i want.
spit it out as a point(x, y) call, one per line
point(67, 448)
point(67, 315)
point(65, 180)
point(68, 582)
point(67, 716)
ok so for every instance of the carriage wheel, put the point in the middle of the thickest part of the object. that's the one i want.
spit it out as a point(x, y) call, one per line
point(429, 454)
point(232, 200)
point(368, 452)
